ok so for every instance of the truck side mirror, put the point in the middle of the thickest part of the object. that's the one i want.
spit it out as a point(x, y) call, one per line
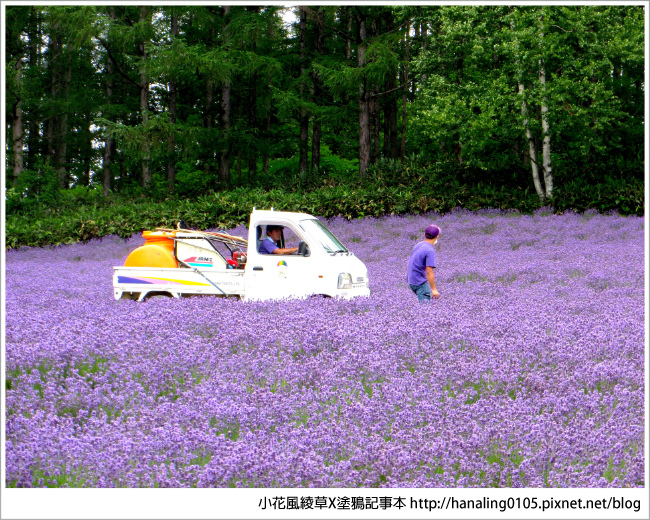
point(303, 249)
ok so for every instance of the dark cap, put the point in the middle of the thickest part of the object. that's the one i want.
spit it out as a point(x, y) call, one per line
point(273, 227)
point(431, 231)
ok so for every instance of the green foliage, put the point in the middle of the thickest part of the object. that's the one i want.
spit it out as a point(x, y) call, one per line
point(282, 173)
point(33, 189)
point(81, 214)
point(468, 110)
point(190, 181)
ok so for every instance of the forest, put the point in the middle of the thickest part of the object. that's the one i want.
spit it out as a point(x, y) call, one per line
point(342, 110)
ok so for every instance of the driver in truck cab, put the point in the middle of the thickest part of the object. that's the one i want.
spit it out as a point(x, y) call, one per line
point(270, 246)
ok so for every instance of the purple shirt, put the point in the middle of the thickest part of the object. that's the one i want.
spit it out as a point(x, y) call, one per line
point(422, 256)
point(267, 246)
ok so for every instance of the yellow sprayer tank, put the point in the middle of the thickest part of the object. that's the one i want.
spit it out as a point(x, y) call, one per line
point(157, 251)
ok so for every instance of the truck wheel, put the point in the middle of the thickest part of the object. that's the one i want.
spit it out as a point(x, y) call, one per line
point(157, 295)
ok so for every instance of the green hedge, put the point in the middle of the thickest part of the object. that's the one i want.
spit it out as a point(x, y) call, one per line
point(97, 218)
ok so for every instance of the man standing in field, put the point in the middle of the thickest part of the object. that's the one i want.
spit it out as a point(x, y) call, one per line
point(421, 264)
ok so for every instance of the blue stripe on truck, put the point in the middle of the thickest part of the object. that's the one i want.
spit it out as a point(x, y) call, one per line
point(126, 279)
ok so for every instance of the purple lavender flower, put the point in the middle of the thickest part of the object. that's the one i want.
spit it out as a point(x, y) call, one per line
point(527, 372)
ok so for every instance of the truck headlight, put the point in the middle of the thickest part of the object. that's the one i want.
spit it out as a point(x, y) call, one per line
point(345, 281)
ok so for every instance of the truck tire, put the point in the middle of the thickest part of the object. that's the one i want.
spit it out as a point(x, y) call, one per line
point(158, 294)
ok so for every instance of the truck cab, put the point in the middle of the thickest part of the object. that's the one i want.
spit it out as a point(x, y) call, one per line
point(322, 265)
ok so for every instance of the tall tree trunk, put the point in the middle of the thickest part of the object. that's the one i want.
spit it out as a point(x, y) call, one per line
point(144, 99)
point(253, 146)
point(316, 135)
point(50, 148)
point(62, 138)
point(267, 138)
point(391, 142)
point(171, 140)
point(226, 107)
point(303, 164)
point(364, 108)
point(424, 33)
point(459, 79)
point(224, 153)
point(123, 174)
point(348, 27)
point(387, 127)
point(209, 121)
point(209, 98)
point(390, 120)
point(108, 141)
point(17, 126)
point(459, 151)
point(417, 39)
point(33, 142)
point(88, 149)
point(532, 150)
point(33, 136)
point(375, 129)
point(108, 158)
point(52, 122)
point(266, 127)
point(317, 126)
point(252, 121)
point(303, 144)
point(546, 142)
point(405, 80)
point(239, 166)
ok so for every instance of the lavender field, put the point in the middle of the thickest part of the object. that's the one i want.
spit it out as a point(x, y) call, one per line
point(527, 372)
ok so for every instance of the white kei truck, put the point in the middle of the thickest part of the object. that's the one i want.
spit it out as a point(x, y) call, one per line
point(183, 262)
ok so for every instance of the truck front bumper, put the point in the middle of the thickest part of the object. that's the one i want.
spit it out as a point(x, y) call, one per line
point(360, 289)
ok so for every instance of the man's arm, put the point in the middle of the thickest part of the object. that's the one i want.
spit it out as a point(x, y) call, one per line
point(432, 282)
point(285, 251)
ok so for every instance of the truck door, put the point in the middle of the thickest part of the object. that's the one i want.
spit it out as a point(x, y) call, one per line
point(272, 276)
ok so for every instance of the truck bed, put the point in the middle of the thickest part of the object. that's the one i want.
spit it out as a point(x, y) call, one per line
point(139, 282)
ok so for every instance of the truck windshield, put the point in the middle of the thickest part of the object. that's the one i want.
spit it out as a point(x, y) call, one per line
point(318, 230)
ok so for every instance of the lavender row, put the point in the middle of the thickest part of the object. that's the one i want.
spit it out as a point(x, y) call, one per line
point(528, 372)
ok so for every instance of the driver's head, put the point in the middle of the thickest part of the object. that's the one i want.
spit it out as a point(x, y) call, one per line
point(275, 232)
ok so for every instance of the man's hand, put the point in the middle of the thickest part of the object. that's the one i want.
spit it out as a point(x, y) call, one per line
point(431, 277)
